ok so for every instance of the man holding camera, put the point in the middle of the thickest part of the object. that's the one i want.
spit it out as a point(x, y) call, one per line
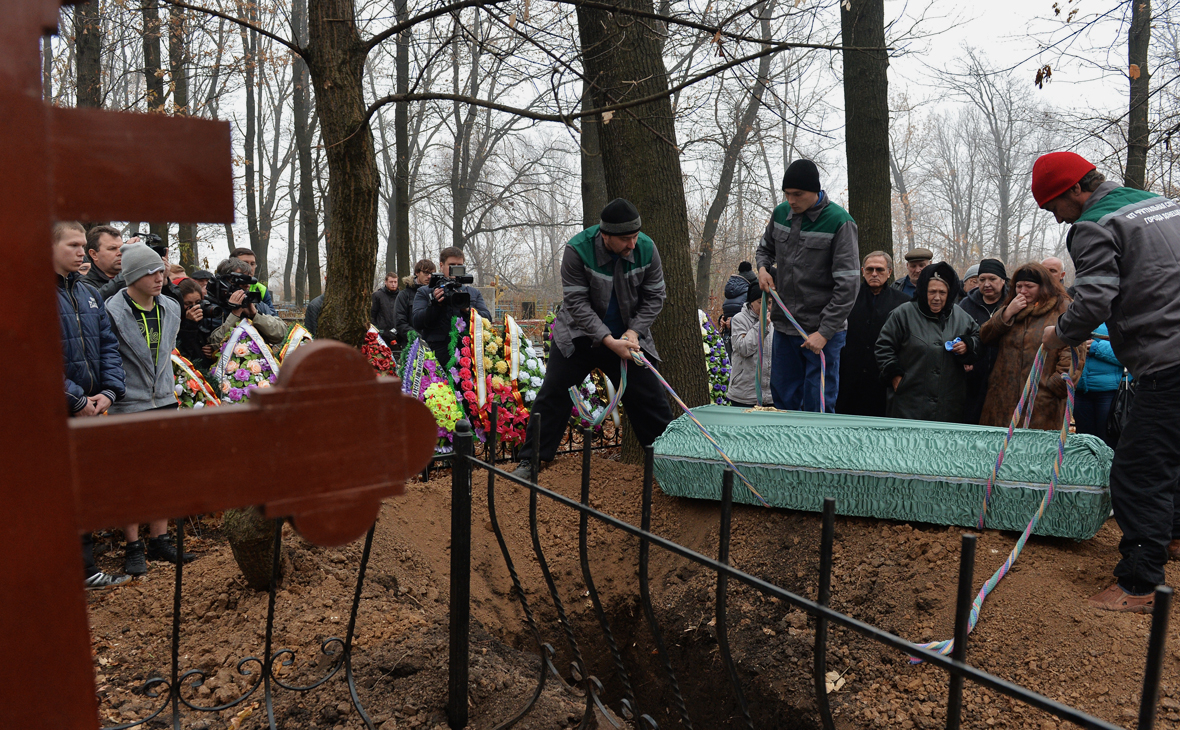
point(237, 302)
point(265, 303)
point(613, 289)
point(447, 295)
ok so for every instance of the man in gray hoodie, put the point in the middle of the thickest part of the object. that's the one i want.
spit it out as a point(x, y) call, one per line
point(146, 325)
point(1125, 245)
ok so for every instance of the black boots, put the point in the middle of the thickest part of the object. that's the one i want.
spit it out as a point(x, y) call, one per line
point(161, 548)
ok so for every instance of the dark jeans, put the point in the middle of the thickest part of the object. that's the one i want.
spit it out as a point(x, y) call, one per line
point(89, 567)
point(1090, 411)
point(794, 373)
point(645, 399)
point(1145, 481)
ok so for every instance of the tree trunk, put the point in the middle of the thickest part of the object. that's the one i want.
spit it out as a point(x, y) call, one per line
point(292, 238)
point(154, 77)
point(308, 271)
point(907, 207)
point(733, 153)
point(47, 68)
point(337, 70)
point(88, 53)
point(641, 162)
point(251, 538)
point(186, 235)
point(401, 138)
point(593, 176)
point(1137, 140)
point(250, 158)
point(866, 114)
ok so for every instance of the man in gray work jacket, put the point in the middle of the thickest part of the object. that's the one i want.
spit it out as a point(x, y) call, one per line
point(613, 289)
point(812, 243)
point(1125, 244)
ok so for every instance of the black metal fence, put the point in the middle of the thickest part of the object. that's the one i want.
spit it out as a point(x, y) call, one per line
point(177, 694)
point(957, 667)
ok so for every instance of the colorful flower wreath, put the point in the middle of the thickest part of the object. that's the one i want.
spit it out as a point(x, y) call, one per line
point(716, 360)
point(244, 364)
point(192, 390)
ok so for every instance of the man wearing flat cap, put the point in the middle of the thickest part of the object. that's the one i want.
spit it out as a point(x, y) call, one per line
point(810, 243)
point(1125, 245)
point(915, 260)
point(612, 290)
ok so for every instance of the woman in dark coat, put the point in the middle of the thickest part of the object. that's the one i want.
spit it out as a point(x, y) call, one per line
point(1035, 301)
point(919, 359)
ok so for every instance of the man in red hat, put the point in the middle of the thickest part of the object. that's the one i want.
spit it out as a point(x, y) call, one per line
point(1125, 244)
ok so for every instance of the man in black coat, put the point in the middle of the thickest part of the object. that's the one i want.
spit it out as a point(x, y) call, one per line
point(404, 311)
point(381, 314)
point(862, 393)
point(981, 303)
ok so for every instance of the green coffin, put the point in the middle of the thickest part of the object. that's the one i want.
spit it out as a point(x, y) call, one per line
point(919, 471)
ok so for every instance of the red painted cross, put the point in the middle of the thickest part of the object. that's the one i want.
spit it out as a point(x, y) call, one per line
point(324, 446)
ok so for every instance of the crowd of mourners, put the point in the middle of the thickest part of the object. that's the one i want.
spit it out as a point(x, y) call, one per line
point(935, 346)
point(123, 311)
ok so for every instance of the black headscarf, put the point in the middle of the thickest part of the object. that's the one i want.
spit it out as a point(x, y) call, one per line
point(947, 274)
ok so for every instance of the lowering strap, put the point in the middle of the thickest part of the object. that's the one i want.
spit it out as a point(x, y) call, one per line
point(1026, 401)
point(823, 364)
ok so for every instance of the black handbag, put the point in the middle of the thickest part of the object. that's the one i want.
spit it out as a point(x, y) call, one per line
point(1120, 410)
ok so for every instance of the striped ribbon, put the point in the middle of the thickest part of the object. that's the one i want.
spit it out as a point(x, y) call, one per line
point(585, 411)
point(945, 647)
point(642, 360)
point(1028, 398)
point(823, 363)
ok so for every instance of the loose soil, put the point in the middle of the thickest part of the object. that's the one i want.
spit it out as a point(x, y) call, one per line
point(1036, 628)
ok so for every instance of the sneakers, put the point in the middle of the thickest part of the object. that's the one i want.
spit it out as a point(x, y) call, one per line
point(101, 580)
point(523, 470)
point(135, 561)
point(1115, 598)
point(161, 548)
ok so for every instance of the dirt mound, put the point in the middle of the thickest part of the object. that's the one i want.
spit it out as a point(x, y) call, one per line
point(1035, 629)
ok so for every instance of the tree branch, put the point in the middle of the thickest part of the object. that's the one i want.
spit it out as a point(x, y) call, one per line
point(569, 119)
point(411, 22)
point(244, 23)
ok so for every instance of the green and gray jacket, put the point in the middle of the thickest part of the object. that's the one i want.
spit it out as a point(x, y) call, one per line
point(587, 279)
point(1126, 248)
point(818, 266)
point(149, 384)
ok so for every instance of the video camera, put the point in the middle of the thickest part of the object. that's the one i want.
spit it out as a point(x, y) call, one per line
point(216, 304)
point(452, 286)
point(153, 242)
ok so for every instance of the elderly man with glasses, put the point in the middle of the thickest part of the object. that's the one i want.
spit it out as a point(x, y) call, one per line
point(862, 393)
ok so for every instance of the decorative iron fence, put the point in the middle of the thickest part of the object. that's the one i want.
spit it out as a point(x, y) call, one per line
point(176, 694)
point(956, 665)
point(171, 692)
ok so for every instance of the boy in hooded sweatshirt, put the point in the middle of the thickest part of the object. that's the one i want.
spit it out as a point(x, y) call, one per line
point(146, 325)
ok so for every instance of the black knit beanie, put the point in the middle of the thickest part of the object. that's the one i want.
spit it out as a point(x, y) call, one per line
point(802, 175)
point(993, 266)
point(620, 218)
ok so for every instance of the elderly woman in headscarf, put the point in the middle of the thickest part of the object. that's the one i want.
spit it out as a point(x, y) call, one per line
point(1035, 301)
point(925, 349)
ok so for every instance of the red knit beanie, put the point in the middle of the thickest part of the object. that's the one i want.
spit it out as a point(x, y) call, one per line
point(1057, 172)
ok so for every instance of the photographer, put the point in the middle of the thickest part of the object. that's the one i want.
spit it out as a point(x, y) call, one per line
point(447, 295)
point(194, 326)
point(237, 302)
point(266, 304)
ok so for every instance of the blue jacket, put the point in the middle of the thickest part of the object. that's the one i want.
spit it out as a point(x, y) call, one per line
point(1103, 370)
point(89, 347)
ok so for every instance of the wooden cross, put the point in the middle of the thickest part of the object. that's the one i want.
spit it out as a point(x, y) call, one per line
point(323, 447)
